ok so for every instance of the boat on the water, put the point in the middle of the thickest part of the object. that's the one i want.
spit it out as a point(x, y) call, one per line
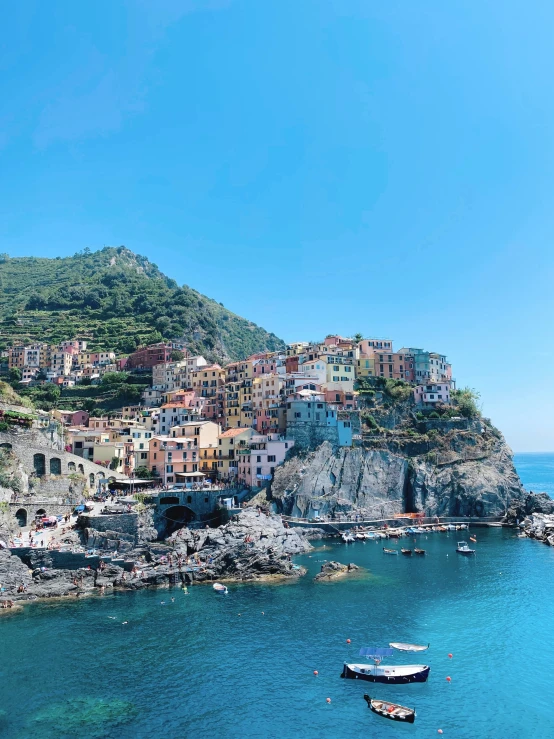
point(495, 525)
point(390, 551)
point(394, 711)
point(419, 551)
point(404, 647)
point(464, 549)
point(348, 538)
point(392, 674)
point(406, 552)
point(379, 673)
point(219, 588)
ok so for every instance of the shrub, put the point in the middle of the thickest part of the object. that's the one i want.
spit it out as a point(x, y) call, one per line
point(434, 414)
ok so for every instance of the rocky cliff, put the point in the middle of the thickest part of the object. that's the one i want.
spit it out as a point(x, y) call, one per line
point(464, 474)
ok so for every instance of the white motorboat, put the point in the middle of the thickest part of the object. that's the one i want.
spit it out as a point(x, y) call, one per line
point(348, 538)
point(395, 674)
point(219, 588)
point(464, 549)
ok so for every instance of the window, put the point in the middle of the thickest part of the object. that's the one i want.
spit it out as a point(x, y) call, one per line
point(271, 458)
point(169, 468)
point(143, 455)
point(258, 470)
point(258, 458)
point(335, 379)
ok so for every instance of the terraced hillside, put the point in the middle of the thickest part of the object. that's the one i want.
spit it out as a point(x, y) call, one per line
point(116, 300)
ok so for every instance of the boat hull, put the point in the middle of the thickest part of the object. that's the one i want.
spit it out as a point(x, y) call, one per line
point(405, 715)
point(353, 672)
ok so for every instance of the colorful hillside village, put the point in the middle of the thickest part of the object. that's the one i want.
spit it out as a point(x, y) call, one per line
point(201, 423)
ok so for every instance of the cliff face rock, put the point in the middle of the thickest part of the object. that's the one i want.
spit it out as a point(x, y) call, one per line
point(380, 482)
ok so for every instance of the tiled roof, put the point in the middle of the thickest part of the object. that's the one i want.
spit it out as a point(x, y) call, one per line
point(233, 432)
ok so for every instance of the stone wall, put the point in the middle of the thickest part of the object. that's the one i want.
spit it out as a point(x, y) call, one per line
point(311, 435)
point(52, 559)
point(123, 523)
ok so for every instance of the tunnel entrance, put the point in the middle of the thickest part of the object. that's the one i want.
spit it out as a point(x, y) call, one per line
point(175, 518)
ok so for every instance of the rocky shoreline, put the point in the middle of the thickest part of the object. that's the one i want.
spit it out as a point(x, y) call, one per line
point(253, 547)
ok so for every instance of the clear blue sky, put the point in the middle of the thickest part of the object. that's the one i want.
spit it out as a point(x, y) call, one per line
point(317, 166)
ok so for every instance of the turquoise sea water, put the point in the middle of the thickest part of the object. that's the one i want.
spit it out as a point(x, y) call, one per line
point(196, 668)
point(536, 471)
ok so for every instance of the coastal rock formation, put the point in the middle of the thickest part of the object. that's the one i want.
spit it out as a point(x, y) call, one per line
point(540, 526)
point(253, 546)
point(473, 477)
point(335, 571)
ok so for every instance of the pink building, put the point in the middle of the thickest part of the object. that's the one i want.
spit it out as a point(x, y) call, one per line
point(174, 460)
point(257, 462)
point(344, 400)
point(432, 394)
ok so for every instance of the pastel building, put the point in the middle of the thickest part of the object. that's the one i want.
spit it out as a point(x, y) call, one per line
point(432, 394)
point(230, 443)
point(258, 459)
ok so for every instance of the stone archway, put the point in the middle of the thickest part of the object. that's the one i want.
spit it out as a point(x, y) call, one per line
point(175, 518)
point(21, 516)
point(91, 480)
point(40, 512)
point(71, 466)
point(39, 464)
point(7, 446)
point(55, 466)
point(81, 469)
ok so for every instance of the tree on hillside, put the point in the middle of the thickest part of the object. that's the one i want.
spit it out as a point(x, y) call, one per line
point(177, 355)
point(466, 400)
point(15, 376)
point(357, 338)
point(114, 378)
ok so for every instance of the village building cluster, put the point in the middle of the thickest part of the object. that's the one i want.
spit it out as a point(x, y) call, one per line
point(202, 423)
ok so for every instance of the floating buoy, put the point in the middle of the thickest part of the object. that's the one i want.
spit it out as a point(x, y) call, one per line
point(263, 614)
point(448, 679)
point(439, 731)
point(450, 655)
point(328, 700)
point(316, 672)
point(348, 641)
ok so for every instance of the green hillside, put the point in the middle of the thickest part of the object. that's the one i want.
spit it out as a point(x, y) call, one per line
point(117, 300)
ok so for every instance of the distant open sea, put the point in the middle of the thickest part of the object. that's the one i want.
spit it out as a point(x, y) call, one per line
point(536, 470)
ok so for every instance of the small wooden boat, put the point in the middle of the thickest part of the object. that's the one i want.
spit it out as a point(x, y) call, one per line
point(442, 528)
point(464, 549)
point(419, 551)
point(403, 647)
point(219, 588)
point(393, 711)
point(406, 552)
point(390, 551)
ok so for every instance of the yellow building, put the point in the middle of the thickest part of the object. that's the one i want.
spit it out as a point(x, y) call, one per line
point(365, 366)
point(231, 444)
point(232, 404)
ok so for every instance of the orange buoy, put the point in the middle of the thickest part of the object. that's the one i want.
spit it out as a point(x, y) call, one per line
point(328, 700)
point(448, 679)
point(450, 655)
point(348, 641)
point(316, 672)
